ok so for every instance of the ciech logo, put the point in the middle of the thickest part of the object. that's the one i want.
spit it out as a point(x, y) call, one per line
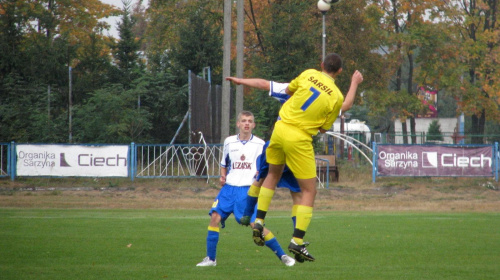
point(399, 160)
point(91, 160)
point(432, 160)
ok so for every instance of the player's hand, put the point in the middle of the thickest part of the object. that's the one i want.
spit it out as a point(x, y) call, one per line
point(222, 180)
point(234, 80)
point(357, 77)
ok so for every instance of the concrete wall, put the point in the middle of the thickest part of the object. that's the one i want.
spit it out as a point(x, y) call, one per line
point(448, 126)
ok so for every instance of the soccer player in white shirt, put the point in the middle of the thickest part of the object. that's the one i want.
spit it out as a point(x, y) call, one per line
point(238, 168)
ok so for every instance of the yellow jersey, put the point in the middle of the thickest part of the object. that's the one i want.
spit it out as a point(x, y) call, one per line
point(315, 103)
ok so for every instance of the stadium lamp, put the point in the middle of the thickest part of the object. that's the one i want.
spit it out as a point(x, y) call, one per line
point(323, 7)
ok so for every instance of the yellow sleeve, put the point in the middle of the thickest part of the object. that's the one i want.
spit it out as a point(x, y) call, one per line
point(332, 116)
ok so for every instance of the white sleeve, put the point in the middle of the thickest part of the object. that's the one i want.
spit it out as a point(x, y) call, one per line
point(225, 153)
point(278, 91)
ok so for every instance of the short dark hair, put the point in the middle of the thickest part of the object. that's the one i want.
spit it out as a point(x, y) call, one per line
point(246, 114)
point(332, 63)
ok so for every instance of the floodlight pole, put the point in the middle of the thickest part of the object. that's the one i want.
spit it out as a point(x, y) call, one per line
point(324, 36)
point(323, 7)
point(239, 53)
point(70, 106)
point(226, 72)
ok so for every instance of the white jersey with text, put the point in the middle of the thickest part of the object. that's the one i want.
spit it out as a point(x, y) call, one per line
point(239, 157)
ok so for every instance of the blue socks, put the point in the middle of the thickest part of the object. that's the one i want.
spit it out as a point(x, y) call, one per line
point(212, 240)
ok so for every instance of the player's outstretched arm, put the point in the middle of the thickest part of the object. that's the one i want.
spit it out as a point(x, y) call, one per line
point(255, 83)
point(357, 78)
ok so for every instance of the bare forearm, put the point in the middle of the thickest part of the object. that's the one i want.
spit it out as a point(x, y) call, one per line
point(357, 78)
point(223, 173)
point(251, 82)
point(349, 99)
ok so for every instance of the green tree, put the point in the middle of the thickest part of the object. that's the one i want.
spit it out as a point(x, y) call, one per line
point(277, 51)
point(160, 34)
point(200, 40)
point(167, 104)
point(40, 40)
point(434, 131)
point(93, 69)
point(126, 50)
point(180, 36)
point(110, 115)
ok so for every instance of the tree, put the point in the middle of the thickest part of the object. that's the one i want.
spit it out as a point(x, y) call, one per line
point(110, 115)
point(93, 69)
point(167, 104)
point(434, 131)
point(276, 50)
point(160, 35)
point(480, 33)
point(403, 21)
point(126, 50)
point(468, 61)
point(200, 40)
point(39, 41)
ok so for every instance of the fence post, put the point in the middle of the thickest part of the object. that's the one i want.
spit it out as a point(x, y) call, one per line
point(374, 161)
point(497, 161)
point(132, 161)
point(12, 158)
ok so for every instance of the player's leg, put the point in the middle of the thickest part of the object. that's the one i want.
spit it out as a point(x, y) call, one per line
point(272, 243)
point(221, 209)
point(305, 208)
point(239, 209)
point(300, 160)
point(265, 237)
point(275, 159)
point(253, 196)
point(288, 181)
point(267, 191)
point(253, 192)
point(296, 197)
point(304, 215)
point(269, 240)
point(212, 241)
point(265, 196)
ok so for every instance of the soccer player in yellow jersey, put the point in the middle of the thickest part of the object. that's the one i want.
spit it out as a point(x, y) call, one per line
point(314, 105)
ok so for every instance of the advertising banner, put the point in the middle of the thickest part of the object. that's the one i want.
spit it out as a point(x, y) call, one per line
point(72, 160)
point(428, 160)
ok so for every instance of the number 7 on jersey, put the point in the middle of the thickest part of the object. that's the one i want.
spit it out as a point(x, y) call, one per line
point(310, 100)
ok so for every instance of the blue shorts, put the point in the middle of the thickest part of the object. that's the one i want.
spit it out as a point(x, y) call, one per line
point(287, 180)
point(230, 200)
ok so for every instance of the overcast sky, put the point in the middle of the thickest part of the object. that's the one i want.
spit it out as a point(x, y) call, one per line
point(113, 20)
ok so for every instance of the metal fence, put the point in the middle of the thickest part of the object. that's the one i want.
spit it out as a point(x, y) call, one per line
point(191, 161)
point(177, 161)
point(148, 161)
point(4, 159)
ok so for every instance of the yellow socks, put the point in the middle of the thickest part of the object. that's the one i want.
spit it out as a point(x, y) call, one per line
point(254, 191)
point(265, 197)
point(304, 215)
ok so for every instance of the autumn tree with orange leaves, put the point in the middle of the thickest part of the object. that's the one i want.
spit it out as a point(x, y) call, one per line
point(468, 55)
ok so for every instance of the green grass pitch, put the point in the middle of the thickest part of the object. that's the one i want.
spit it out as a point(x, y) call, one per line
point(167, 244)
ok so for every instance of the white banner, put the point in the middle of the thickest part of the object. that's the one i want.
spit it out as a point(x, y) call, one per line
point(72, 160)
